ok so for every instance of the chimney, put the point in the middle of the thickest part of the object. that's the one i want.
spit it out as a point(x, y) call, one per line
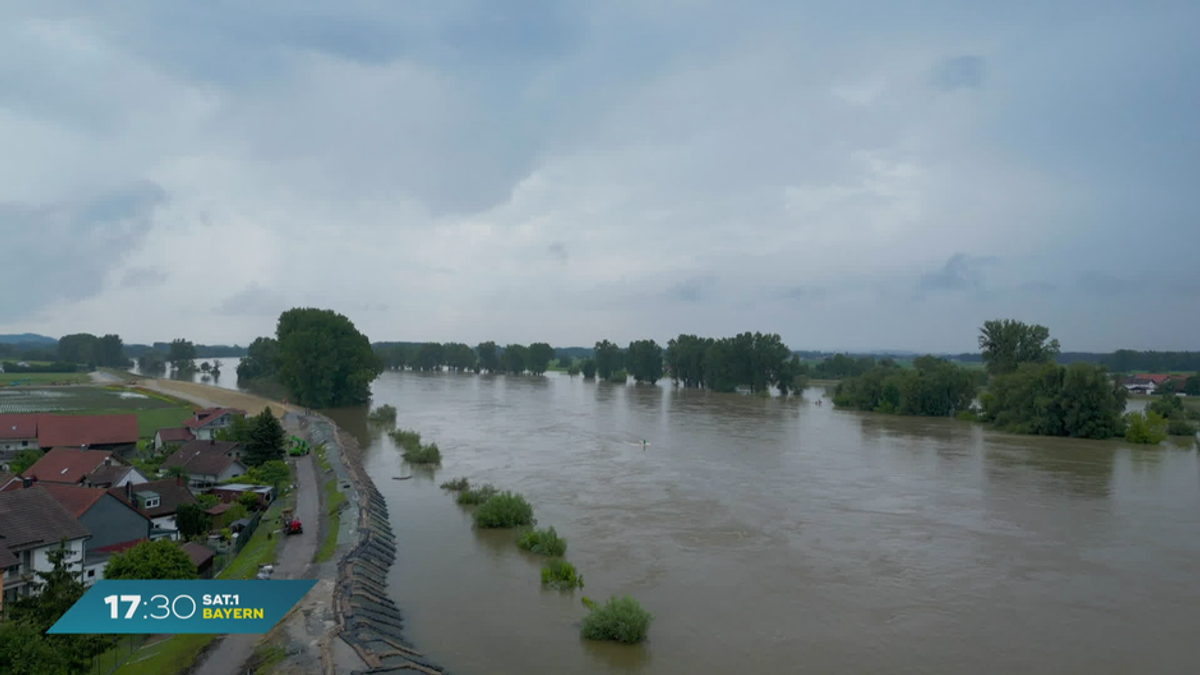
point(212, 441)
point(129, 492)
point(27, 483)
point(179, 481)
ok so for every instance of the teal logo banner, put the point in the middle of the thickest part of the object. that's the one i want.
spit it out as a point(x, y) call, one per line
point(194, 606)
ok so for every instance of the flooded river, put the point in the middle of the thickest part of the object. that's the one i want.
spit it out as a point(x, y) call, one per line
point(777, 536)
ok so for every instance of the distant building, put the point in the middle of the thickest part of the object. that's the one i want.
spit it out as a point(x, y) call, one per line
point(91, 468)
point(165, 437)
point(17, 432)
point(33, 523)
point(207, 422)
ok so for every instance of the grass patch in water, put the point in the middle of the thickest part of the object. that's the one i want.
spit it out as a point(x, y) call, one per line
point(619, 620)
point(425, 454)
point(476, 496)
point(505, 509)
point(384, 414)
point(406, 438)
point(561, 575)
point(456, 485)
point(543, 542)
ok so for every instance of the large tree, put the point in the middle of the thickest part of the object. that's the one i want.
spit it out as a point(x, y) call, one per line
point(261, 360)
point(161, 559)
point(608, 358)
point(516, 358)
point(1006, 344)
point(78, 348)
point(489, 358)
point(192, 521)
point(1080, 400)
point(645, 359)
point(181, 354)
point(324, 361)
point(539, 355)
point(266, 441)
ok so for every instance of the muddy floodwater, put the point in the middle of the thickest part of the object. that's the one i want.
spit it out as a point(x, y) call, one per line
point(777, 536)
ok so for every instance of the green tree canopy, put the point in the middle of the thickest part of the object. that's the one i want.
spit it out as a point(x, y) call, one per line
point(267, 440)
point(516, 359)
point(539, 355)
point(1006, 344)
point(489, 358)
point(261, 360)
point(324, 361)
point(192, 521)
point(181, 354)
point(608, 358)
point(429, 357)
point(933, 387)
point(160, 559)
point(589, 368)
point(1080, 400)
point(152, 362)
point(645, 359)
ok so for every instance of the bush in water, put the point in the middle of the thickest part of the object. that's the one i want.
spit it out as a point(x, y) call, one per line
point(504, 510)
point(561, 575)
point(383, 414)
point(425, 454)
point(1145, 427)
point(456, 485)
point(406, 438)
point(619, 620)
point(476, 496)
point(543, 542)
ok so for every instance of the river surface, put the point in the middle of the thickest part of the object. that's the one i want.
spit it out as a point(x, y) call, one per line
point(226, 379)
point(778, 536)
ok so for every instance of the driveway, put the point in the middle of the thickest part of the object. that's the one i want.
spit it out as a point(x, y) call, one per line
point(229, 655)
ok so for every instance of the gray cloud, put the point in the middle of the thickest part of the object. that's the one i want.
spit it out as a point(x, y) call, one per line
point(558, 251)
point(1103, 284)
point(961, 272)
point(254, 300)
point(69, 247)
point(803, 292)
point(1038, 287)
point(143, 277)
point(694, 290)
point(960, 72)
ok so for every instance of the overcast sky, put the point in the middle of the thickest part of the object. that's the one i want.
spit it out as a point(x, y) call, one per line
point(855, 175)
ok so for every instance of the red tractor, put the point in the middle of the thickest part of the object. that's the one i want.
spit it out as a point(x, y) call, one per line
point(291, 524)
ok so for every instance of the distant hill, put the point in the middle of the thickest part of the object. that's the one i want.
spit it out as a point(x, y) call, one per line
point(27, 338)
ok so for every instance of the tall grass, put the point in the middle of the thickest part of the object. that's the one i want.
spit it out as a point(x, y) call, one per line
point(425, 454)
point(406, 438)
point(561, 575)
point(456, 485)
point(476, 496)
point(504, 510)
point(543, 542)
point(619, 620)
point(384, 414)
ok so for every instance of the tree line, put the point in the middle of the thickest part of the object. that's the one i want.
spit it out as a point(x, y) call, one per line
point(1028, 391)
point(756, 361)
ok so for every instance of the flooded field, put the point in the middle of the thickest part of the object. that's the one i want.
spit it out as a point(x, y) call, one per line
point(777, 536)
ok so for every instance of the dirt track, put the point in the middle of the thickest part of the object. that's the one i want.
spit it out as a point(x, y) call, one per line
point(208, 396)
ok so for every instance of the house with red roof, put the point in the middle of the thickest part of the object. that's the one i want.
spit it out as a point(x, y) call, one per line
point(94, 432)
point(207, 422)
point(1149, 383)
point(115, 525)
point(90, 468)
point(208, 462)
point(165, 437)
point(18, 432)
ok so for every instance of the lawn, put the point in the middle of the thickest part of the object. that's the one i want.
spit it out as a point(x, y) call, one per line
point(17, 379)
point(172, 655)
point(333, 506)
point(259, 551)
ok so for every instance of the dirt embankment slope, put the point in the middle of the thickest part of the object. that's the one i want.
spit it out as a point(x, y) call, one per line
point(209, 397)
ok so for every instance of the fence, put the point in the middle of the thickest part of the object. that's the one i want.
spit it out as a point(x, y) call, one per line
point(123, 647)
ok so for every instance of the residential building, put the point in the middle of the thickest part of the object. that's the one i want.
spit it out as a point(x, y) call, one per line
point(18, 432)
point(208, 462)
point(118, 433)
point(115, 525)
point(207, 422)
point(165, 437)
point(202, 557)
point(9, 564)
point(158, 500)
point(32, 524)
point(1140, 385)
point(233, 491)
point(92, 468)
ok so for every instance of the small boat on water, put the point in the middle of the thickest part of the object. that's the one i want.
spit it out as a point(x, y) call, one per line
point(401, 477)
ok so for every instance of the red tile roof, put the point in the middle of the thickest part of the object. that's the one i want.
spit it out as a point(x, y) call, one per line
point(219, 509)
point(118, 547)
point(181, 434)
point(79, 430)
point(20, 425)
point(66, 465)
point(75, 498)
point(210, 415)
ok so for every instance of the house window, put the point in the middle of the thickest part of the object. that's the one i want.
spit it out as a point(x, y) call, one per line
point(24, 444)
point(152, 502)
point(91, 573)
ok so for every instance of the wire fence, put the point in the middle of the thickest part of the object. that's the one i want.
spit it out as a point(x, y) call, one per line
point(123, 647)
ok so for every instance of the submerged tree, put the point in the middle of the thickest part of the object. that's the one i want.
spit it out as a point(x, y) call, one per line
point(324, 361)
